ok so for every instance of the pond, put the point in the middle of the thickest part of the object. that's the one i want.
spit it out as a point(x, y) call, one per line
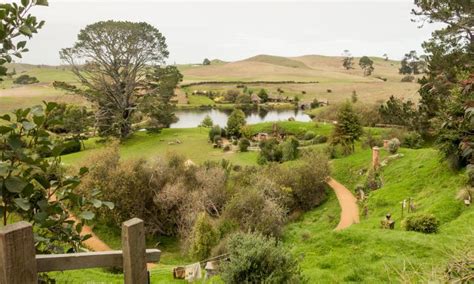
point(192, 118)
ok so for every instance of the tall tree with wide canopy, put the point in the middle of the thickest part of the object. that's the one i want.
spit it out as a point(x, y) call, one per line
point(112, 60)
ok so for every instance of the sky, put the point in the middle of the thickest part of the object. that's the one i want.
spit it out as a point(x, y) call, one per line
point(230, 30)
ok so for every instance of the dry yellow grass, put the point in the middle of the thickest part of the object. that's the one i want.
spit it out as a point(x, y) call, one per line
point(326, 70)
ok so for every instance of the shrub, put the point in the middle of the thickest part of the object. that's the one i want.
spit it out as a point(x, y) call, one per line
point(227, 148)
point(371, 141)
point(412, 140)
point(244, 144)
point(257, 259)
point(423, 223)
point(470, 174)
point(408, 79)
point(320, 139)
point(243, 99)
point(214, 131)
point(25, 80)
point(72, 146)
point(269, 151)
point(231, 96)
point(309, 135)
point(393, 145)
point(207, 122)
point(204, 237)
point(254, 212)
point(289, 149)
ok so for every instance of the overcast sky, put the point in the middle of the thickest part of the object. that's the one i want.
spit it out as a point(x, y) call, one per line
point(231, 30)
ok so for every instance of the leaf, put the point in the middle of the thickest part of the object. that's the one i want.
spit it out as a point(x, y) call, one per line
point(109, 204)
point(96, 202)
point(25, 2)
point(87, 215)
point(28, 125)
point(21, 44)
point(25, 30)
point(5, 117)
point(22, 203)
point(42, 2)
point(5, 129)
point(83, 171)
point(15, 184)
point(57, 150)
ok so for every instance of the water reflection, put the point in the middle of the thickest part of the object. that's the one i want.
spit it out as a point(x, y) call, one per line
point(192, 118)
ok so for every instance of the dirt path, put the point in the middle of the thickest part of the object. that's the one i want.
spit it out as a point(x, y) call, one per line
point(348, 204)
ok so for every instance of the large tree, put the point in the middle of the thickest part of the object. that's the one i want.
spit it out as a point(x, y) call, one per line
point(112, 60)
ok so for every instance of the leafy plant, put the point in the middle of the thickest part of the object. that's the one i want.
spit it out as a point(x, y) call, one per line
point(35, 188)
point(254, 258)
point(423, 223)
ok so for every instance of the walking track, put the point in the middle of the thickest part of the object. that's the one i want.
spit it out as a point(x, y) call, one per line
point(348, 204)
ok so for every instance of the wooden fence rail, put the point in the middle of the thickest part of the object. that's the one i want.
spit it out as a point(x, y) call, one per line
point(19, 264)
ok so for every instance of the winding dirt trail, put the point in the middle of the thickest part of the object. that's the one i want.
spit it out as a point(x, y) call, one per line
point(348, 204)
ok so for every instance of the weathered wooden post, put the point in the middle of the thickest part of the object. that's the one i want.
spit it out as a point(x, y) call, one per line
point(134, 252)
point(375, 157)
point(17, 254)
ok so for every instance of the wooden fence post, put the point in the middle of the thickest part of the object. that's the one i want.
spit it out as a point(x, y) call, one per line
point(17, 254)
point(133, 246)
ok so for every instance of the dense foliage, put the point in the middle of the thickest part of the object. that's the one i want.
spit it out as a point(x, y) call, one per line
point(423, 223)
point(15, 24)
point(254, 258)
point(348, 128)
point(36, 188)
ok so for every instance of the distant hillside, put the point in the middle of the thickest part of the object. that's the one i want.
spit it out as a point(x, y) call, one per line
point(278, 60)
point(302, 68)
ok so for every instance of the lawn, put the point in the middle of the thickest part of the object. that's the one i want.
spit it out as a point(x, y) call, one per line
point(366, 253)
point(194, 145)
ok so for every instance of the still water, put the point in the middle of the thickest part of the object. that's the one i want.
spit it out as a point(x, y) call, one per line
point(192, 118)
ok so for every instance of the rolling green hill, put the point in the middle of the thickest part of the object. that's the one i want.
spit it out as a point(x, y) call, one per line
point(366, 253)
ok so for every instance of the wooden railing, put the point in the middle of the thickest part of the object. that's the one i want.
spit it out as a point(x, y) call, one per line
point(19, 263)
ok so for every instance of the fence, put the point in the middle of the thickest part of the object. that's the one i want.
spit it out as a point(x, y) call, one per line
point(20, 265)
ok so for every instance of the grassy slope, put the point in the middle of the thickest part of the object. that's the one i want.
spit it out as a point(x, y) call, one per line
point(366, 253)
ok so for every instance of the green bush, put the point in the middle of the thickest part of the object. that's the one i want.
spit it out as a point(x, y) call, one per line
point(289, 149)
point(423, 223)
point(25, 80)
point(393, 145)
point(254, 258)
point(72, 146)
point(412, 140)
point(309, 135)
point(204, 237)
point(214, 131)
point(269, 151)
point(320, 139)
point(244, 144)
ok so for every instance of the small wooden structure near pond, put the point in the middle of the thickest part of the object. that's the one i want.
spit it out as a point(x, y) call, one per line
point(20, 265)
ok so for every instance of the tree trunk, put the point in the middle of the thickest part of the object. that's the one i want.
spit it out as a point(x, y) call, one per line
point(126, 125)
